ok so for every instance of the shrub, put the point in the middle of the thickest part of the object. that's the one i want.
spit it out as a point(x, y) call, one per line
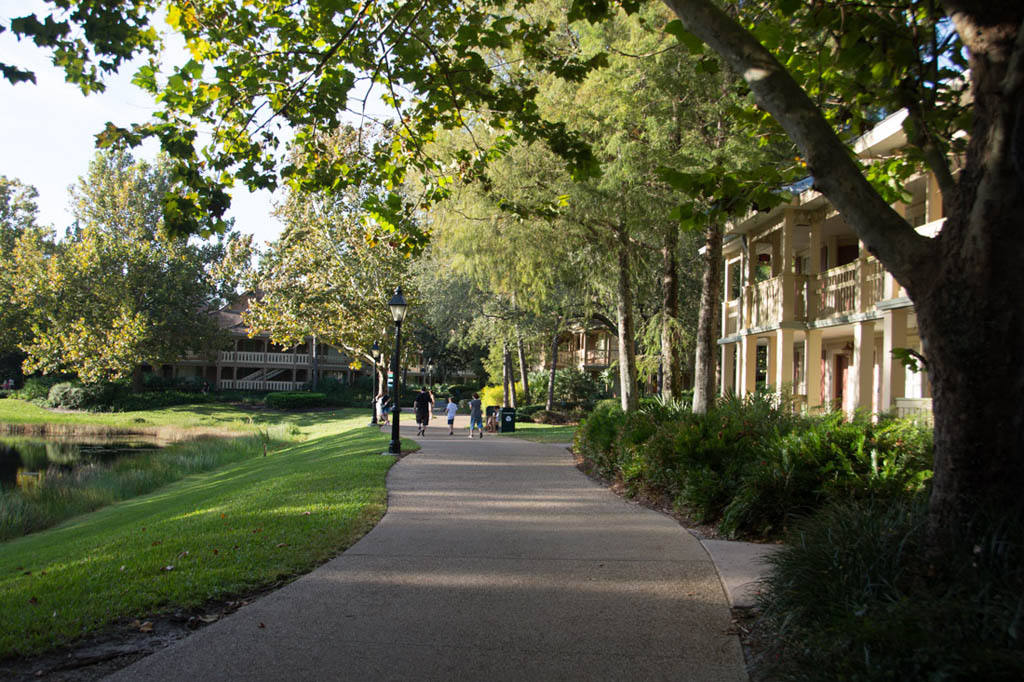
point(126, 401)
point(852, 596)
point(67, 396)
point(293, 400)
point(461, 391)
point(597, 434)
point(37, 388)
point(495, 395)
point(548, 417)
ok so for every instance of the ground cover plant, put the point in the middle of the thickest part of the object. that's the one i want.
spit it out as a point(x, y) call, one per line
point(853, 595)
point(211, 535)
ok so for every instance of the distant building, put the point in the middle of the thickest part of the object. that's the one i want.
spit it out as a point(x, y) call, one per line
point(257, 364)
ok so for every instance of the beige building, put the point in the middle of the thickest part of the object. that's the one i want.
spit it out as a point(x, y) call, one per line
point(589, 350)
point(257, 364)
point(806, 307)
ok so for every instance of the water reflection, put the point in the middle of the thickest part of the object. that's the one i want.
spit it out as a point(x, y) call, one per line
point(22, 457)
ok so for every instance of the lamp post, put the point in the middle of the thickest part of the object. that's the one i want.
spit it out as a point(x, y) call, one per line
point(398, 307)
point(375, 354)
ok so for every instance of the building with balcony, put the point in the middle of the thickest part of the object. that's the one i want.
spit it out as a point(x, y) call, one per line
point(257, 364)
point(589, 350)
point(806, 307)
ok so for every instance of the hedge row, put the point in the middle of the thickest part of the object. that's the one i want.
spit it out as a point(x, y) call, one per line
point(750, 466)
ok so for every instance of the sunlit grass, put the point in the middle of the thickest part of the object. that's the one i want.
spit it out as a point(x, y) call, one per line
point(59, 495)
point(210, 535)
point(19, 416)
point(543, 433)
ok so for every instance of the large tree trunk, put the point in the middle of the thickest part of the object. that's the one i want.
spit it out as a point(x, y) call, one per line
point(707, 320)
point(138, 385)
point(671, 374)
point(965, 283)
point(523, 374)
point(550, 402)
point(624, 311)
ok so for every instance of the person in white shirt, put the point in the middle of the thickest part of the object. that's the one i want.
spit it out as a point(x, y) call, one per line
point(450, 409)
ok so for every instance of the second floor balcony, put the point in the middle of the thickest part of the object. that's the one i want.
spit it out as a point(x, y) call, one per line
point(840, 291)
point(267, 359)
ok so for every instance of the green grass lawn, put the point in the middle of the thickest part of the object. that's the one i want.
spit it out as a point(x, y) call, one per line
point(208, 536)
point(206, 416)
point(542, 433)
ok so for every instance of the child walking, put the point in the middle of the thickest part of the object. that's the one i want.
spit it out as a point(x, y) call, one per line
point(450, 409)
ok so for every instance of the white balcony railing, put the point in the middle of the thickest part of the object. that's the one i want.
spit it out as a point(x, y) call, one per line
point(229, 385)
point(279, 359)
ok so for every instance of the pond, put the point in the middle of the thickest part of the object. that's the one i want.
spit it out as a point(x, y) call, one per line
point(26, 457)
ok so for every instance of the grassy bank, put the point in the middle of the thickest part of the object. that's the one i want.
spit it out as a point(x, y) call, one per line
point(60, 495)
point(210, 535)
point(18, 416)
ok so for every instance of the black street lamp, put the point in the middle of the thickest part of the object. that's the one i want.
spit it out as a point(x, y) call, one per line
point(375, 354)
point(398, 307)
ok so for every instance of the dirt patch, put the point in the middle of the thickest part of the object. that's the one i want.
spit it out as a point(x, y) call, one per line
point(122, 643)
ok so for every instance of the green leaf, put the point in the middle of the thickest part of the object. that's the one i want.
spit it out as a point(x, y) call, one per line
point(692, 43)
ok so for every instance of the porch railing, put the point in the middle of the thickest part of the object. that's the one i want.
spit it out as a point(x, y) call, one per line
point(851, 288)
point(241, 385)
point(779, 299)
point(236, 357)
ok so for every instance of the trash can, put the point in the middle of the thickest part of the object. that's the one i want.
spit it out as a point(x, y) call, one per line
point(508, 419)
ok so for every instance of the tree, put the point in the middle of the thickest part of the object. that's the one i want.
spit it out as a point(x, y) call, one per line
point(116, 293)
point(331, 273)
point(18, 213)
point(882, 56)
point(964, 281)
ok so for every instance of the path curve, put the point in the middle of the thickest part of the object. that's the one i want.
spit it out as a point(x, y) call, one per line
point(496, 560)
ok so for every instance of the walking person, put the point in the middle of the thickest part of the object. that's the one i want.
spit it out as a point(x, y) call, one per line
point(384, 408)
point(476, 417)
point(422, 404)
point(450, 409)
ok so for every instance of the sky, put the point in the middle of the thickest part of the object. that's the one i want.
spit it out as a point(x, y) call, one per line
point(47, 129)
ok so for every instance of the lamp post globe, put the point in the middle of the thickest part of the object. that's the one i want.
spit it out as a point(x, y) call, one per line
point(398, 308)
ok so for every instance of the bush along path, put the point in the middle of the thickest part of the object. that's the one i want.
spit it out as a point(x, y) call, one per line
point(210, 536)
point(851, 594)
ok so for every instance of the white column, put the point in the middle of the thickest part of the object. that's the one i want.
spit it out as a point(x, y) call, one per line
point(812, 368)
point(894, 375)
point(783, 369)
point(861, 374)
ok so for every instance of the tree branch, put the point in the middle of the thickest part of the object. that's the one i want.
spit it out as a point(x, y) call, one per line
point(907, 255)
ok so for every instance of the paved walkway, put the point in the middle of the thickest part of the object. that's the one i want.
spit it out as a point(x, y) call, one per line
point(496, 560)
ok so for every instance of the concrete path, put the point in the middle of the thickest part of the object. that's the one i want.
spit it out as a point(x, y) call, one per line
point(496, 560)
